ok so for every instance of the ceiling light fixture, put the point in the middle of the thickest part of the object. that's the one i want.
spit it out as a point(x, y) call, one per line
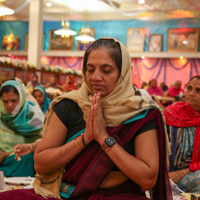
point(5, 10)
point(84, 37)
point(65, 31)
point(48, 4)
point(141, 1)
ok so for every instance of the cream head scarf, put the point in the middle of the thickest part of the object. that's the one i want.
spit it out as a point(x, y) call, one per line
point(120, 105)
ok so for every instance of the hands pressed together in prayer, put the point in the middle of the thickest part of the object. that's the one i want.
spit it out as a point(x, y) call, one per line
point(95, 124)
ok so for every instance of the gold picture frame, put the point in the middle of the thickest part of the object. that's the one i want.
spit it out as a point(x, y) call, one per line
point(155, 42)
point(57, 42)
point(183, 40)
point(135, 39)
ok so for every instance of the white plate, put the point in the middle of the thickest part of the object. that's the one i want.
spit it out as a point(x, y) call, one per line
point(19, 180)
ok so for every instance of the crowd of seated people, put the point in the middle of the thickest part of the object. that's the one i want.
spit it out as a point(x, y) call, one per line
point(182, 116)
point(22, 113)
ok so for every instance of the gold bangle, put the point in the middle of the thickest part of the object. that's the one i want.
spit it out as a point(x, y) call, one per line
point(184, 172)
point(30, 146)
point(77, 143)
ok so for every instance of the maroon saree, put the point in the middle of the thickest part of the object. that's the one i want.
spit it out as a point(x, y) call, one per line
point(91, 166)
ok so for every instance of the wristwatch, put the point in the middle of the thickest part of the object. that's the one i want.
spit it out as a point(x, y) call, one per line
point(109, 142)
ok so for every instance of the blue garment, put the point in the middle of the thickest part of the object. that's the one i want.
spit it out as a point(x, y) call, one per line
point(47, 101)
point(182, 140)
point(23, 168)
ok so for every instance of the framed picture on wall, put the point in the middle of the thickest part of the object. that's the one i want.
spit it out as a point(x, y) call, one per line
point(57, 42)
point(26, 42)
point(183, 40)
point(10, 42)
point(155, 42)
point(135, 39)
point(6, 73)
point(82, 45)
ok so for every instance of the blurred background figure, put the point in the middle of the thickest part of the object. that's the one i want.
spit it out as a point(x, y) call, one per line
point(53, 83)
point(79, 83)
point(33, 83)
point(53, 87)
point(163, 86)
point(40, 95)
point(21, 121)
point(143, 84)
point(182, 97)
point(153, 89)
point(70, 84)
point(174, 90)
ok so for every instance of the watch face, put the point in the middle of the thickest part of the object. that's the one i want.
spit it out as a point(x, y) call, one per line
point(110, 141)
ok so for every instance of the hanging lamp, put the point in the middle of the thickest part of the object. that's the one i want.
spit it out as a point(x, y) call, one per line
point(65, 31)
point(4, 10)
point(85, 36)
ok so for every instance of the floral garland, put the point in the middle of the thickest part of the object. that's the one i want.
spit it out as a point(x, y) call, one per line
point(59, 69)
point(22, 64)
point(25, 65)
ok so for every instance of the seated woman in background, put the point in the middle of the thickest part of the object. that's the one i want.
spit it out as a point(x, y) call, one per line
point(183, 119)
point(153, 89)
point(21, 121)
point(33, 83)
point(174, 90)
point(41, 96)
point(70, 84)
point(111, 142)
point(29, 96)
point(163, 86)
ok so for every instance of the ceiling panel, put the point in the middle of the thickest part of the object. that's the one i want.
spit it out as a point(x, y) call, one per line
point(103, 10)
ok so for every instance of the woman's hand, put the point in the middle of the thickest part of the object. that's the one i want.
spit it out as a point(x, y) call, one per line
point(21, 150)
point(99, 124)
point(176, 176)
point(88, 135)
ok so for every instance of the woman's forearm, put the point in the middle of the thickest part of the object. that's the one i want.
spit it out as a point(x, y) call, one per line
point(49, 160)
point(134, 168)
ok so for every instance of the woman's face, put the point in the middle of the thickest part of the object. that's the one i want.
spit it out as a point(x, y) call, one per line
point(101, 72)
point(153, 83)
point(39, 97)
point(192, 94)
point(35, 79)
point(10, 100)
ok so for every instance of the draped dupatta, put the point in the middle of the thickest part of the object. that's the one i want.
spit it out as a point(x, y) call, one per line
point(181, 114)
point(92, 165)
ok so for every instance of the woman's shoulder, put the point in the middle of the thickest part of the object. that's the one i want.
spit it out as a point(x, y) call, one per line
point(66, 106)
point(66, 102)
